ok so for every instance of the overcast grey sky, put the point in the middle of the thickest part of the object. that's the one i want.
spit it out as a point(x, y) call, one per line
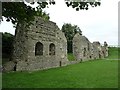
point(97, 24)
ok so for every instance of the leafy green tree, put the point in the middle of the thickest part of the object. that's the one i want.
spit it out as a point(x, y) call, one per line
point(82, 5)
point(7, 44)
point(69, 31)
point(20, 12)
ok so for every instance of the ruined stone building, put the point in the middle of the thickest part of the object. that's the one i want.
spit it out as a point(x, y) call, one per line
point(42, 45)
point(83, 49)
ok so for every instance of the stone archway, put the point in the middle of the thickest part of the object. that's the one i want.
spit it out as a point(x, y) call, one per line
point(52, 49)
point(38, 49)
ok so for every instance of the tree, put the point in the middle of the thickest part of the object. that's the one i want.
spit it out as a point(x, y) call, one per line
point(7, 44)
point(20, 12)
point(82, 5)
point(69, 31)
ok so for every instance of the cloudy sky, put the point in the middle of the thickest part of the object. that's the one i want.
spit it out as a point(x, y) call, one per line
point(97, 24)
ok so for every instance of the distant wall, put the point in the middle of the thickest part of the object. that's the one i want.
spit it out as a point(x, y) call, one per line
point(84, 50)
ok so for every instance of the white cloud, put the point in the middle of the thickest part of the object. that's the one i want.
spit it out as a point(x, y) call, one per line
point(7, 27)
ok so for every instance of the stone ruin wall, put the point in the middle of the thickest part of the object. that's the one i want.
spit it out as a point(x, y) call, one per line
point(41, 33)
point(43, 46)
point(84, 50)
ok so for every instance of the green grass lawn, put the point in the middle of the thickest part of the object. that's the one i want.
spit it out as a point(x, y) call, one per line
point(71, 57)
point(113, 53)
point(90, 74)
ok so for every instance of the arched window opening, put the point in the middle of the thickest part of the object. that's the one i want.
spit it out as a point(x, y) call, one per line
point(84, 52)
point(88, 47)
point(15, 66)
point(52, 49)
point(38, 49)
point(90, 57)
point(60, 63)
point(99, 54)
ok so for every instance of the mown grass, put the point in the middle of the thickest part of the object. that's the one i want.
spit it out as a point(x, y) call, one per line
point(113, 53)
point(91, 74)
point(71, 57)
